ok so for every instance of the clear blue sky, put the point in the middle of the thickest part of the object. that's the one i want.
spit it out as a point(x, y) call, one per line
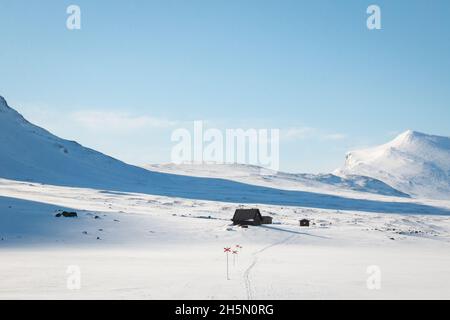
point(311, 68)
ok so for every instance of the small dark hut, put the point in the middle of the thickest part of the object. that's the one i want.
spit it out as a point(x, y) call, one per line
point(304, 223)
point(266, 220)
point(250, 217)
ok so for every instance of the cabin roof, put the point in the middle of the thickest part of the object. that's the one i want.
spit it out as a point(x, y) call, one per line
point(247, 214)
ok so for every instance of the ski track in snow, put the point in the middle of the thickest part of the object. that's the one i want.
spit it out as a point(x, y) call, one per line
point(247, 282)
point(247, 277)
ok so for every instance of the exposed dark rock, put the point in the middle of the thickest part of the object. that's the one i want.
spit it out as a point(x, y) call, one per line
point(69, 214)
point(66, 214)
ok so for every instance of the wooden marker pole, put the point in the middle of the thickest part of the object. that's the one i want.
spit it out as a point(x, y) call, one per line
point(227, 250)
point(235, 252)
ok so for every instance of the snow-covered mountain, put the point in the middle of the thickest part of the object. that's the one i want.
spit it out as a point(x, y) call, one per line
point(414, 163)
point(32, 154)
point(292, 181)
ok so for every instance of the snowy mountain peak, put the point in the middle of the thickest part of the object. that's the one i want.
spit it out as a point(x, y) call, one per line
point(407, 136)
point(411, 137)
point(415, 163)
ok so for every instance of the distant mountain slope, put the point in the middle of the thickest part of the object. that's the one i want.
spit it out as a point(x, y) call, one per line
point(414, 163)
point(252, 174)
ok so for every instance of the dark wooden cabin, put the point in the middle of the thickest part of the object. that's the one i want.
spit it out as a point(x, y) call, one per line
point(304, 223)
point(250, 217)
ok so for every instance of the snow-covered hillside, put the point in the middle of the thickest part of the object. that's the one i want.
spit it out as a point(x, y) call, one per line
point(414, 163)
point(30, 153)
point(259, 176)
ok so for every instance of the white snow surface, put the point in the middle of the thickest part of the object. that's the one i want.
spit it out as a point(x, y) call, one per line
point(160, 234)
point(415, 163)
point(153, 247)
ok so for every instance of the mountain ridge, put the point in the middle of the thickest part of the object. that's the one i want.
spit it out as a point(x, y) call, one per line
point(32, 154)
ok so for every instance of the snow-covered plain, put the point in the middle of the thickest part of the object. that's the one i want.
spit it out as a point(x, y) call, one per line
point(153, 247)
point(160, 234)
